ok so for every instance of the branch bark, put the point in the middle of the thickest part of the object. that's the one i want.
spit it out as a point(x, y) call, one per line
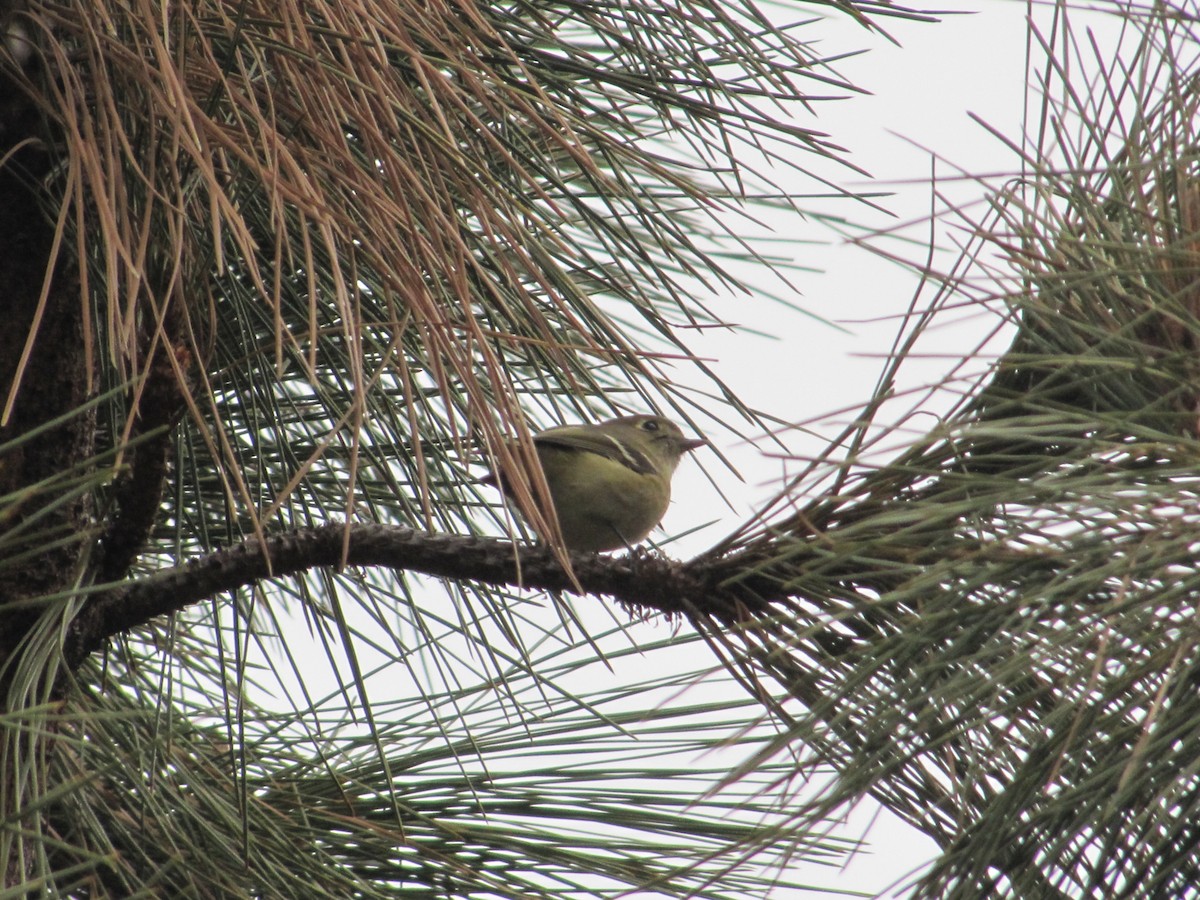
point(639, 579)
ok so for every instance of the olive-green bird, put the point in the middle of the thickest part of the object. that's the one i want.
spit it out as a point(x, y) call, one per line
point(610, 483)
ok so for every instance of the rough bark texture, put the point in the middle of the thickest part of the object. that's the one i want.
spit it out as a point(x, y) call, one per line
point(43, 374)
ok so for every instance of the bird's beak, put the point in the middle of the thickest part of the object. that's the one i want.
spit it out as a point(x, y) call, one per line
point(688, 444)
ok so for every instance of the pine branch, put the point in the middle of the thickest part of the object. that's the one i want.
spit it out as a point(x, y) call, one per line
point(642, 580)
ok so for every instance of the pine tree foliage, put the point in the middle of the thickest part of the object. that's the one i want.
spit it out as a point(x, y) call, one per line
point(271, 266)
point(994, 632)
point(275, 266)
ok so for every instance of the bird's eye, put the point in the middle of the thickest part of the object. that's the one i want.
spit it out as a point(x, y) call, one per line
point(650, 425)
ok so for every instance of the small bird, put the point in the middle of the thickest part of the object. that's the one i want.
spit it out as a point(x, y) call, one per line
point(610, 483)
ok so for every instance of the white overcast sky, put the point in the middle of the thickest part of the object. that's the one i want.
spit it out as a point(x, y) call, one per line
point(921, 95)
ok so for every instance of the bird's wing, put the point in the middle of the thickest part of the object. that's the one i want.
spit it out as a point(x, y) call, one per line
point(568, 437)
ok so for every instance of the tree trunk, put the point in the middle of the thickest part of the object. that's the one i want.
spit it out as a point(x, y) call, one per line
point(43, 376)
